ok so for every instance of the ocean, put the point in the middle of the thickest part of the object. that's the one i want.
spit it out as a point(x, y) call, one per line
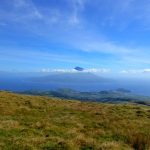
point(136, 86)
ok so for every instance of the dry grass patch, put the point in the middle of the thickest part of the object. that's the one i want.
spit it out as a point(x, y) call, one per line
point(42, 123)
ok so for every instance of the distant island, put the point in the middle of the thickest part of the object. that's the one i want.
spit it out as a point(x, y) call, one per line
point(110, 96)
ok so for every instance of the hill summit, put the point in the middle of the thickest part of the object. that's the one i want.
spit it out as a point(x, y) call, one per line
point(79, 69)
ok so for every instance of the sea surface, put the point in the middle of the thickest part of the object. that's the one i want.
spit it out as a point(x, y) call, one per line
point(136, 86)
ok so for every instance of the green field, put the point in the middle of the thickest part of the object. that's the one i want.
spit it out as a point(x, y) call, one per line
point(42, 123)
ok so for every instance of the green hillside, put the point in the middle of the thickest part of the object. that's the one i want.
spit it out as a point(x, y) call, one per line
point(42, 123)
point(106, 96)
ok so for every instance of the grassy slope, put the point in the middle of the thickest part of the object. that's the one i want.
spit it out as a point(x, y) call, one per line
point(32, 122)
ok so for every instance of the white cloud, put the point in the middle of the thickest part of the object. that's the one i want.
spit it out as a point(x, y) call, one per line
point(91, 70)
point(95, 45)
point(98, 70)
point(26, 11)
point(78, 7)
point(136, 71)
point(30, 11)
point(20, 3)
point(146, 70)
point(39, 56)
point(121, 14)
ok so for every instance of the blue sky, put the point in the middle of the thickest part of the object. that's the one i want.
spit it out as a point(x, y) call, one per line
point(61, 34)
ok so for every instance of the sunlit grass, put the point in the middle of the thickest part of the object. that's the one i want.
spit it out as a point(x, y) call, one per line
point(32, 122)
